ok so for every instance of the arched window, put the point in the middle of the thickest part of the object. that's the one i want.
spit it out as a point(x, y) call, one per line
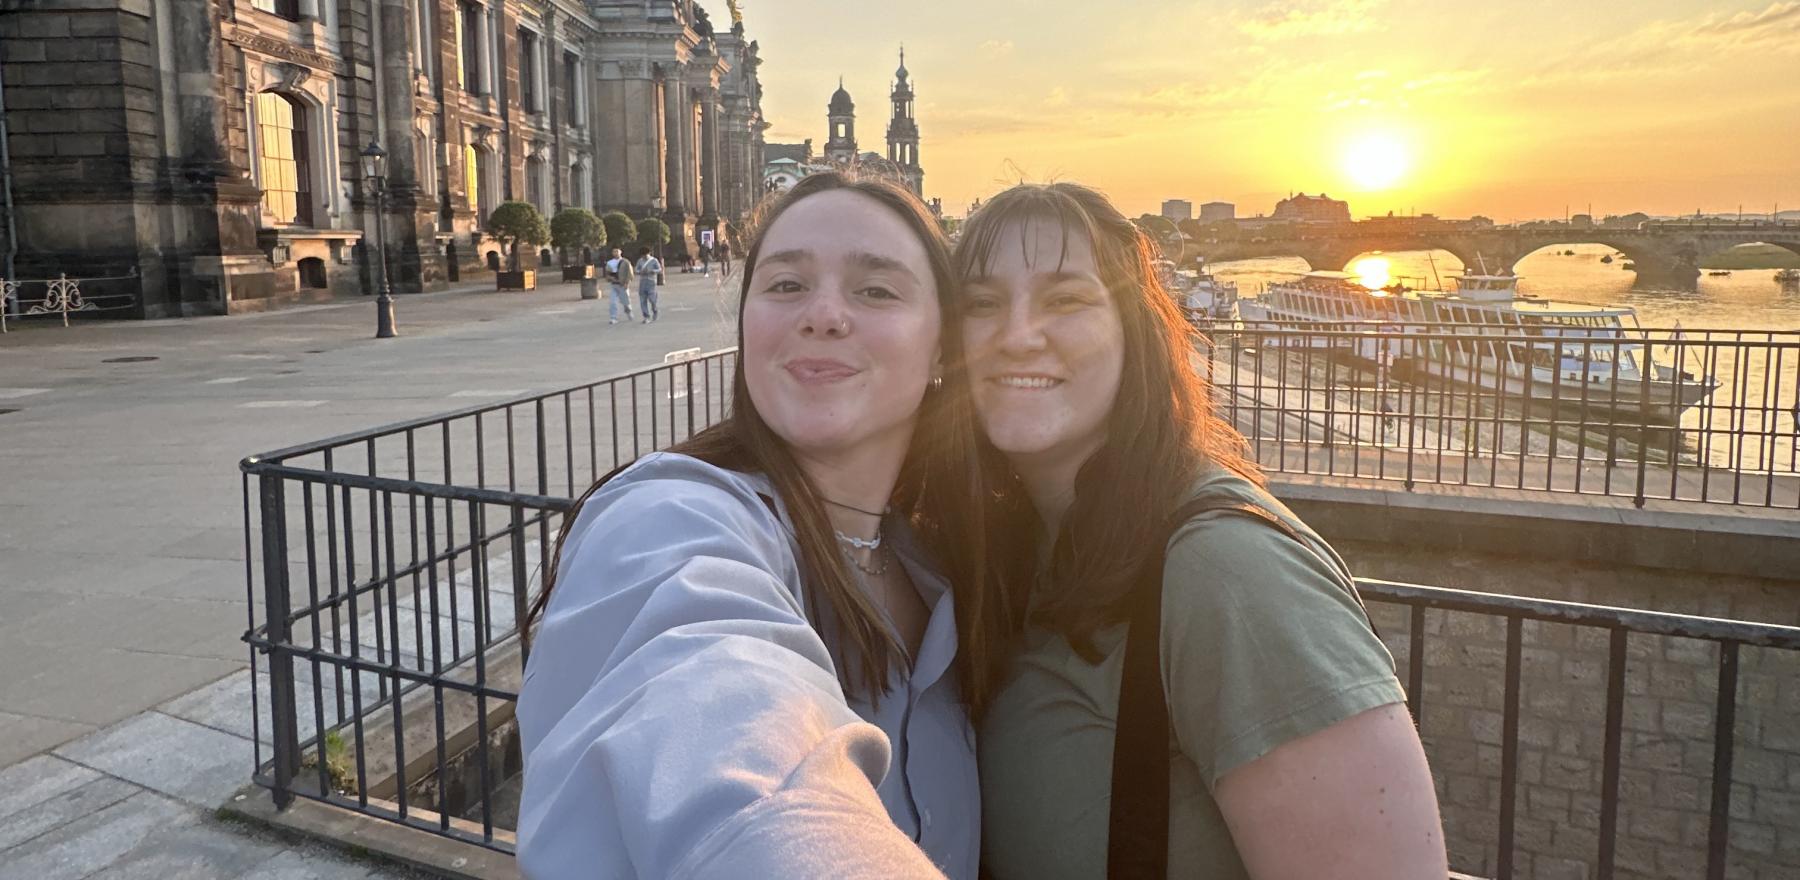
point(282, 158)
point(312, 273)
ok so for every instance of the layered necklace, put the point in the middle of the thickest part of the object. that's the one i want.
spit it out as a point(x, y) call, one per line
point(851, 543)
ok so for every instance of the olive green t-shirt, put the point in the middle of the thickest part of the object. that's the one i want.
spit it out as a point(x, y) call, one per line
point(1262, 643)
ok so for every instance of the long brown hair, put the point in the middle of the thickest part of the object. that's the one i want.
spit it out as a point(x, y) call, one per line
point(1162, 432)
point(933, 492)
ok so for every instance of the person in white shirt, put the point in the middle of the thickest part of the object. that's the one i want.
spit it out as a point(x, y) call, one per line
point(618, 276)
point(746, 661)
point(649, 273)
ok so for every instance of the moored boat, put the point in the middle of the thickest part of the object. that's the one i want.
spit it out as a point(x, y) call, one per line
point(1519, 347)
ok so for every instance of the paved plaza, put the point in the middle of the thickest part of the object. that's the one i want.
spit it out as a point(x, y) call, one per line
point(122, 582)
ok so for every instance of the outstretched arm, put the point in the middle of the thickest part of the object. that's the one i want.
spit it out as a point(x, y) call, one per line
point(680, 716)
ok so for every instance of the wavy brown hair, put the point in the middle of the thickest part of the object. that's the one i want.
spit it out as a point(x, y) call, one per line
point(934, 491)
point(1161, 434)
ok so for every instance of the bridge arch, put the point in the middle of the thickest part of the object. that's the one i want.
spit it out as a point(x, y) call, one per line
point(1710, 254)
point(1659, 262)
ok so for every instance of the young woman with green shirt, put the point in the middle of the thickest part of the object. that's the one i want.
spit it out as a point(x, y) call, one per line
point(1291, 754)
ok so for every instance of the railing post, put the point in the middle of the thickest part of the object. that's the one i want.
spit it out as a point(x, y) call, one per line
point(521, 584)
point(284, 731)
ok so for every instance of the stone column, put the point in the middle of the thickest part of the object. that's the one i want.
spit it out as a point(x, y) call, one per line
point(709, 154)
point(676, 139)
point(484, 39)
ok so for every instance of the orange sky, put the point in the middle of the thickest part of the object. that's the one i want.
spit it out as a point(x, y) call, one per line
point(1513, 108)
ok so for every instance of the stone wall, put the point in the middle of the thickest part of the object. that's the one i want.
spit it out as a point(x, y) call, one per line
point(1669, 708)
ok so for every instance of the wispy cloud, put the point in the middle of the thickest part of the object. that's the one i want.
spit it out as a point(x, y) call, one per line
point(1288, 19)
point(1777, 26)
point(997, 47)
point(1679, 47)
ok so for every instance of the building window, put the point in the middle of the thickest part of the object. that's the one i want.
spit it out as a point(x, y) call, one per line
point(469, 48)
point(528, 85)
point(572, 90)
point(282, 158)
point(578, 185)
point(534, 183)
point(288, 9)
point(472, 179)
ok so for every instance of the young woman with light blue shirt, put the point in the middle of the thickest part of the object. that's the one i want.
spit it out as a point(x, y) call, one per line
point(746, 659)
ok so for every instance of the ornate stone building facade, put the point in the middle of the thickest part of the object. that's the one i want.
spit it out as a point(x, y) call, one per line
point(209, 149)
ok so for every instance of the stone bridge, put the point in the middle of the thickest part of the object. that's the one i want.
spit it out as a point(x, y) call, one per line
point(1668, 251)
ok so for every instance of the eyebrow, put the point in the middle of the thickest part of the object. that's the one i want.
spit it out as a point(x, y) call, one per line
point(864, 259)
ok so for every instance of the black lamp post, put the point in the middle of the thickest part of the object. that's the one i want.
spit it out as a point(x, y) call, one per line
point(374, 168)
point(656, 209)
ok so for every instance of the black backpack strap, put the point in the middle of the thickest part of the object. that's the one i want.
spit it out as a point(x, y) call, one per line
point(1137, 837)
point(1137, 843)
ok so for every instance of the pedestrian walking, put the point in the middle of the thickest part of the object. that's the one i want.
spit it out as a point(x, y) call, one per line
point(724, 258)
point(649, 268)
point(619, 274)
point(706, 260)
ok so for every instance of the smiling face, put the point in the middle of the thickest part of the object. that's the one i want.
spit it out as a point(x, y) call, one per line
point(840, 326)
point(1046, 346)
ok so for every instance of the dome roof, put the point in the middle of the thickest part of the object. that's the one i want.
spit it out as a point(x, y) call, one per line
point(901, 73)
point(840, 100)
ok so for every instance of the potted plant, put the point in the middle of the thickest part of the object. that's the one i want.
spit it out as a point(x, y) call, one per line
point(619, 228)
point(511, 225)
point(571, 230)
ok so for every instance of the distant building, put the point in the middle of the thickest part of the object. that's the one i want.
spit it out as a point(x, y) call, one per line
point(1625, 221)
point(1178, 210)
point(1303, 208)
point(1216, 212)
point(901, 162)
point(801, 152)
point(1582, 221)
point(1479, 222)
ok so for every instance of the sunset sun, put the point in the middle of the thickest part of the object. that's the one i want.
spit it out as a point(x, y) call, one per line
point(1376, 161)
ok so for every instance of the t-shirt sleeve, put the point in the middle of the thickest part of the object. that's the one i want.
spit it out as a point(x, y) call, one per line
point(1262, 643)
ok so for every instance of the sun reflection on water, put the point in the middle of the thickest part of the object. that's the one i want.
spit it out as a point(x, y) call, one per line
point(1372, 272)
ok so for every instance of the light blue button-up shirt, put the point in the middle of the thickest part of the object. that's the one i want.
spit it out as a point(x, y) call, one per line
point(681, 717)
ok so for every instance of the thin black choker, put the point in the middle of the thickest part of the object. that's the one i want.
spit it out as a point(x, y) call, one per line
point(848, 507)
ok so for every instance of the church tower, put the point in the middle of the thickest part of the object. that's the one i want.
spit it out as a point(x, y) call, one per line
point(841, 147)
point(903, 130)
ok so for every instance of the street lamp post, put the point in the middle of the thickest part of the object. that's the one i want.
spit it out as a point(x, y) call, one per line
point(656, 208)
point(374, 161)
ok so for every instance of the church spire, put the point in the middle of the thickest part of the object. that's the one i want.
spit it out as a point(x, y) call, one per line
point(903, 128)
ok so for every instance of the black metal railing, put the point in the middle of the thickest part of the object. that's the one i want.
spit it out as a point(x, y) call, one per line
point(1565, 642)
point(387, 572)
point(1684, 415)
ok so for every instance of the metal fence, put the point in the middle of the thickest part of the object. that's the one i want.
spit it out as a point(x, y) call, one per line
point(62, 296)
point(387, 572)
point(388, 569)
point(1686, 415)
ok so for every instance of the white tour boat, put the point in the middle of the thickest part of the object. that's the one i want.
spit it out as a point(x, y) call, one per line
point(1590, 357)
